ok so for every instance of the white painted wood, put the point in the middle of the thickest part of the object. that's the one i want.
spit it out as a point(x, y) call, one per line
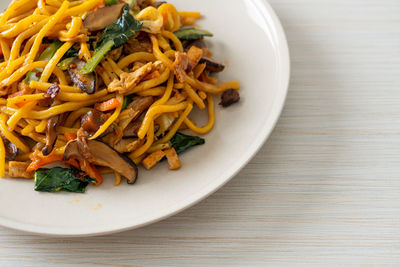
point(324, 190)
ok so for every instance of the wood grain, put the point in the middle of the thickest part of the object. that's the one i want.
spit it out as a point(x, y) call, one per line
point(324, 190)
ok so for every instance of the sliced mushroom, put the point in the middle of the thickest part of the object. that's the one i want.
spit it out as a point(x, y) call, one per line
point(88, 82)
point(11, 149)
point(99, 153)
point(187, 44)
point(132, 129)
point(212, 65)
point(51, 135)
point(140, 104)
point(103, 17)
point(92, 121)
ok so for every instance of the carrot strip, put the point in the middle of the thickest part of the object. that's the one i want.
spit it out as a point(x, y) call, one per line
point(41, 161)
point(111, 104)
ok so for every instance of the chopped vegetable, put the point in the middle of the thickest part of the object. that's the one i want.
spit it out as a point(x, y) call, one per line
point(173, 160)
point(56, 179)
point(46, 55)
point(111, 104)
point(115, 35)
point(192, 34)
point(41, 161)
point(182, 142)
point(63, 65)
point(72, 52)
point(151, 160)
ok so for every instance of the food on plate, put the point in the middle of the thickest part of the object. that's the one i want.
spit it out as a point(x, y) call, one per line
point(102, 86)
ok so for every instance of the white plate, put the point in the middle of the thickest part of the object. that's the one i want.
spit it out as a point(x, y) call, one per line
point(249, 36)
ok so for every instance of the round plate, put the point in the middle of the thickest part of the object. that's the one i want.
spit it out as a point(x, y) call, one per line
point(249, 37)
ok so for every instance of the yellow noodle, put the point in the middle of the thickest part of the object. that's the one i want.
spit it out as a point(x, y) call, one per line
point(28, 45)
point(209, 88)
point(23, 98)
point(156, 91)
point(22, 26)
point(150, 83)
point(192, 94)
point(84, 51)
point(103, 74)
point(109, 70)
point(81, 97)
point(60, 75)
point(179, 85)
point(14, 119)
point(62, 130)
point(74, 29)
point(177, 125)
point(5, 48)
point(154, 112)
point(42, 7)
point(115, 68)
point(190, 14)
point(177, 43)
point(54, 61)
point(44, 86)
point(139, 56)
point(41, 127)
point(10, 136)
point(16, 47)
point(167, 93)
point(27, 129)
point(14, 7)
point(62, 108)
point(61, 13)
point(208, 127)
point(150, 139)
point(198, 70)
point(202, 95)
point(82, 8)
point(117, 179)
point(76, 115)
point(158, 54)
point(16, 76)
point(163, 43)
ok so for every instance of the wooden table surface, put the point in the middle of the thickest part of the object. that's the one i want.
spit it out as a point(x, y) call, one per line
point(324, 190)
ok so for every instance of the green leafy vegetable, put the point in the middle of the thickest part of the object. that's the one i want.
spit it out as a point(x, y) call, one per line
point(111, 2)
point(56, 179)
point(64, 65)
point(115, 35)
point(46, 55)
point(91, 65)
point(182, 142)
point(192, 34)
point(72, 52)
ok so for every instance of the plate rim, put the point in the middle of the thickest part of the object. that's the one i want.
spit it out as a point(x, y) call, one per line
point(277, 107)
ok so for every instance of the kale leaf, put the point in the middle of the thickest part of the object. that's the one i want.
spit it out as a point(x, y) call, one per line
point(115, 35)
point(182, 142)
point(56, 179)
